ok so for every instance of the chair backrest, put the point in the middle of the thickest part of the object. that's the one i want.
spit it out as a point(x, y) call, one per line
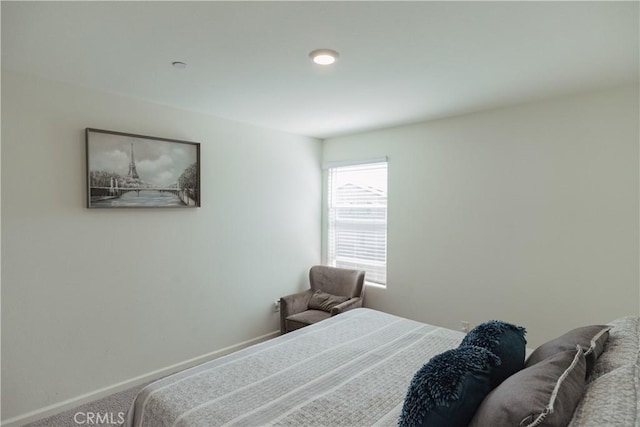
point(337, 281)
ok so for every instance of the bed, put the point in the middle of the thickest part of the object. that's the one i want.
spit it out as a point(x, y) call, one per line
point(349, 370)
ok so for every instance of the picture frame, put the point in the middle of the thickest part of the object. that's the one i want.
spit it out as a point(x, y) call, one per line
point(126, 170)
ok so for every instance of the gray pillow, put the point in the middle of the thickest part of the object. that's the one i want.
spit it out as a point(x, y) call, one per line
point(545, 394)
point(324, 301)
point(610, 400)
point(590, 338)
point(622, 347)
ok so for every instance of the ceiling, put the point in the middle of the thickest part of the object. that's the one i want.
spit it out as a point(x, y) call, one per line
point(401, 62)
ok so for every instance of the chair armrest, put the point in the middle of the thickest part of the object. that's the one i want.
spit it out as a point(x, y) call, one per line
point(293, 304)
point(347, 305)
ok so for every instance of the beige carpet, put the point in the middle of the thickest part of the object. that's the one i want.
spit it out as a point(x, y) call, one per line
point(108, 409)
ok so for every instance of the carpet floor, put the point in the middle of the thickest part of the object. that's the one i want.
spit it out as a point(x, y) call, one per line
point(108, 407)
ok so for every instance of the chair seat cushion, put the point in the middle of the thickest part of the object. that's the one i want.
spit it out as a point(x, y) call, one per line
point(297, 321)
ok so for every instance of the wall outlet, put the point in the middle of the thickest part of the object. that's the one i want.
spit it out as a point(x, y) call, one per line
point(464, 326)
point(276, 306)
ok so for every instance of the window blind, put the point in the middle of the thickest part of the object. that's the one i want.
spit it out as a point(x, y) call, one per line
point(357, 219)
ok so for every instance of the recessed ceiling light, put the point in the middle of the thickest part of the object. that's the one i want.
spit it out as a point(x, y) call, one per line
point(178, 64)
point(324, 56)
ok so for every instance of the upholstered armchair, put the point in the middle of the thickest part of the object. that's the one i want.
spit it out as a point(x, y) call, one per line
point(333, 291)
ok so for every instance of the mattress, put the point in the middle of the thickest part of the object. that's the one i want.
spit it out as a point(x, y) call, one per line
point(349, 370)
point(353, 370)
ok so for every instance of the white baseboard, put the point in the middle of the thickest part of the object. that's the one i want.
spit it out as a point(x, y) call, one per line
point(74, 402)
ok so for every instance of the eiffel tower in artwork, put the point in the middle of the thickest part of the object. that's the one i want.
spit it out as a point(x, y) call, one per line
point(132, 166)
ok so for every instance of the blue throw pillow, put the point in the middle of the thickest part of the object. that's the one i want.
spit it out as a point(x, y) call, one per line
point(447, 390)
point(505, 341)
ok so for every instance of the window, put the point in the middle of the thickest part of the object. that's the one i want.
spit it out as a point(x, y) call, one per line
point(357, 219)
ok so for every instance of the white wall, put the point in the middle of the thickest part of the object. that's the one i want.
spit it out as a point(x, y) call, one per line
point(91, 298)
point(527, 214)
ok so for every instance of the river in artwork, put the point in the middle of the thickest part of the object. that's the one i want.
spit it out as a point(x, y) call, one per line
point(143, 198)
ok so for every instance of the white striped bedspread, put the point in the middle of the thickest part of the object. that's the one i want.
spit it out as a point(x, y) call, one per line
point(350, 370)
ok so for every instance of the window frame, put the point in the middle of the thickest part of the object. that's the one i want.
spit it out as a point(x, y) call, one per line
point(325, 211)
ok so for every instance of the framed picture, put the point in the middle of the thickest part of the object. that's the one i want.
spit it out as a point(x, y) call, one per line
point(136, 171)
